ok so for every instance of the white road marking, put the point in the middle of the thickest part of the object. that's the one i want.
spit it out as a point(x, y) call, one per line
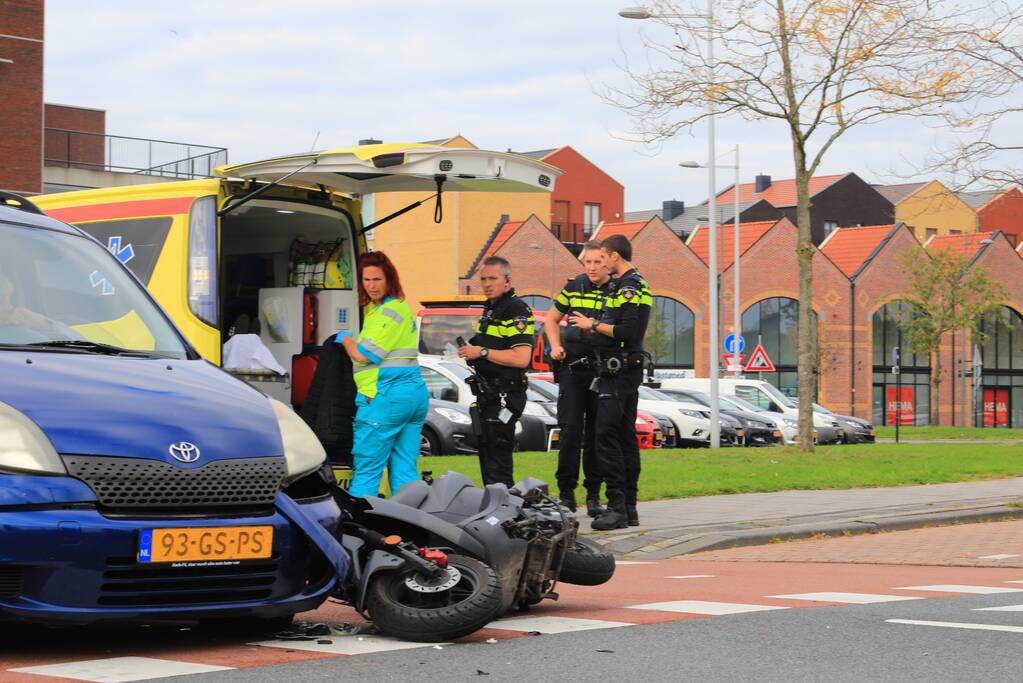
point(847, 598)
point(959, 588)
point(997, 557)
point(704, 607)
point(619, 563)
point(346, 645)
point(120, 669)
point(1014, 582)
point(553, 624)
point(692, 576)
point(1005, 608)
point(953, 624)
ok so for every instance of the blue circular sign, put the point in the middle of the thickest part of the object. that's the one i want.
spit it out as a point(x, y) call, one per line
point(730, 344)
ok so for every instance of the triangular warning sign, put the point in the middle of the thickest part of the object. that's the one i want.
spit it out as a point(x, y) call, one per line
point(759, 361)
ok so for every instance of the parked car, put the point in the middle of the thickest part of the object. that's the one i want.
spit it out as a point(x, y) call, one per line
point(135, 473)
point(653, 430)
point(760, 430)
point(854, 429)
point(445, 381)
point(448, 430)
point(692, 421)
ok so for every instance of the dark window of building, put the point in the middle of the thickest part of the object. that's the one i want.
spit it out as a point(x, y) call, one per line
point(775, 324)
point(669, 336)
point(999, 402)
point(955, 232)
point(830, 227)
point(932, 232)
point(905, 397)
point(591, 217)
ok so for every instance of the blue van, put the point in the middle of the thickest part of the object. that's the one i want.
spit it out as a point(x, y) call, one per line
point(137, 480)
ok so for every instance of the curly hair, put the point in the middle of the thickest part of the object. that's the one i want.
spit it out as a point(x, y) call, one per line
point(380, 260)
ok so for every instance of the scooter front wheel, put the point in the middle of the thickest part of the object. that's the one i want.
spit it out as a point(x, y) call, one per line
point(413, 606)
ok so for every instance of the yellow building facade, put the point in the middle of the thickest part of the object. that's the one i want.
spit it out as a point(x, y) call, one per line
point(930, 209)
point(430, 256)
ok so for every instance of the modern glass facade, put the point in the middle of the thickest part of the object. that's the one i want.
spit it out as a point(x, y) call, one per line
point(669, 336)
point(905, 398)
point(775, 324)
point(999, 402)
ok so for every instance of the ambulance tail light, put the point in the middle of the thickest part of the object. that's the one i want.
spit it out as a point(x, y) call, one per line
point(202, 259)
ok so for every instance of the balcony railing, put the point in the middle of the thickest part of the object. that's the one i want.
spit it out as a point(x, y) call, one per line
point(117, 153)
point(572, 233)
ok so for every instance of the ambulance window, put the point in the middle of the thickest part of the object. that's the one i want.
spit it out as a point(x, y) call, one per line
point(202, 259)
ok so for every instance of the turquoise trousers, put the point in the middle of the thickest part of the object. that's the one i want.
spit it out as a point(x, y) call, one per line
point(387, 431)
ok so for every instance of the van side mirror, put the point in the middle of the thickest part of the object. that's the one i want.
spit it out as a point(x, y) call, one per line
point(449, 394)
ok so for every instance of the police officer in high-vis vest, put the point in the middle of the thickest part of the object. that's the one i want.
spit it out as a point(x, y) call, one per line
point(618, 343)
point(500, 352)
point(392, 399)
point(576, 370)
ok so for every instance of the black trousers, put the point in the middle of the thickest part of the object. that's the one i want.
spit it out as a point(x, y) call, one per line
point(577, 418)
point(497, 443)
point(617, 448)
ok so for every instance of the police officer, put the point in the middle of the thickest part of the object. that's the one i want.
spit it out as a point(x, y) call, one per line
point(500, 352)
point(618, 343)
point(577, 404)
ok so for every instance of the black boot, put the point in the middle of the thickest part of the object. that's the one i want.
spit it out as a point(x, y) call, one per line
point(633, 515)
point(593, 507)
point(614, 517)
point(567, 500)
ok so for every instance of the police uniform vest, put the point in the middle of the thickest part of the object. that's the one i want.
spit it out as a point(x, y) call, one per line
point(388, 340)
point(580, 295)
point(627, 309)
point(506, 323)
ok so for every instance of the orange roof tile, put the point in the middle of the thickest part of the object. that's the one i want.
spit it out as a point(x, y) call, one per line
point(848, 248)
point(507, 230)
point(779, 192)
point(629, 229)
point(963, 244)
point(749, 233)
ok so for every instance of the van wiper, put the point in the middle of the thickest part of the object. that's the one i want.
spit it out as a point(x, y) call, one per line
point(86, 346)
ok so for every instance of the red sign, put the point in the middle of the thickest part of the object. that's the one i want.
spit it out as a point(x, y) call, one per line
point(759, 361)
point(905, 412)
point(731, 360)
point(996, 407)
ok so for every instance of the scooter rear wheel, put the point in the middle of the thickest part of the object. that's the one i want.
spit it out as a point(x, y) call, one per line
point(407, 605)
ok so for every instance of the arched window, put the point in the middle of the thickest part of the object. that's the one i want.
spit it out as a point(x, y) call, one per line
point(775, 324)
point(906, 396)
point(537, 302)
point(1000, 403)
point(669, 336)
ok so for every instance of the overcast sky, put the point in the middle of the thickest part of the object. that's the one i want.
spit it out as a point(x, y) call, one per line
point(267, 78)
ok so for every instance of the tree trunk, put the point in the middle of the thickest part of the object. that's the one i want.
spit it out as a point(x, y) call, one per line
point(935, 385)
point(806, 370)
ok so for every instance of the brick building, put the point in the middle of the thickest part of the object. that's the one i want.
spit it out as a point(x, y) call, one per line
point(21, 70)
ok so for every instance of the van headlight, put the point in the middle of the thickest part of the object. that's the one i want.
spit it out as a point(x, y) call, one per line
point(24, 447)
point(303, 452)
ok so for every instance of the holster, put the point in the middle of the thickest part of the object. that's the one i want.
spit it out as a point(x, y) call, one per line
point(477, 420)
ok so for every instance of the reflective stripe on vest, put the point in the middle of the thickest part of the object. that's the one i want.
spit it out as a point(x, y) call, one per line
point(403, 351)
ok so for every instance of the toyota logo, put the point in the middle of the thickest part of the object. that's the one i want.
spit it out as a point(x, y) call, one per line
point(184, 451)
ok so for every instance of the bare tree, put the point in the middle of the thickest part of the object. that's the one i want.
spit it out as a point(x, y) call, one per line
point(950, 294)
point(819, 68)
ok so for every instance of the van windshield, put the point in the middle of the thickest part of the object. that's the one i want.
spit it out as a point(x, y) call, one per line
point(63, 291)
point(780, 398)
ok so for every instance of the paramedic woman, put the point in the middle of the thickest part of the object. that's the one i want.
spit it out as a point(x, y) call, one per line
point(392, 399)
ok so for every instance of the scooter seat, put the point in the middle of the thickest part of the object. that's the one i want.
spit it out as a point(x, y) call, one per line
point(412, 494)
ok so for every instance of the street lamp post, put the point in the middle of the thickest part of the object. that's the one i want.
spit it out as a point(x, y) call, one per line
point(712, 280)
point(736, 314)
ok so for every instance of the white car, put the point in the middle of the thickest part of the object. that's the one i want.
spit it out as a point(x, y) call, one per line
point(692, 421)
point(445, 380)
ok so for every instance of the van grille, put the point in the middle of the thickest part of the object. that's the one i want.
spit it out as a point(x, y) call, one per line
point(137, 483)
point(10, 581)
point(126, 583)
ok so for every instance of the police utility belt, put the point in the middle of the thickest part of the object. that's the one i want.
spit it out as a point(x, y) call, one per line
point(610, 364)
point(488, 386)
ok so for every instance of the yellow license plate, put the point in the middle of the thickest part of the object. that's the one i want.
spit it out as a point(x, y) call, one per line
point(200, 544)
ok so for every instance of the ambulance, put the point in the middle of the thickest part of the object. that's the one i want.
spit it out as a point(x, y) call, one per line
point(276, 241)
